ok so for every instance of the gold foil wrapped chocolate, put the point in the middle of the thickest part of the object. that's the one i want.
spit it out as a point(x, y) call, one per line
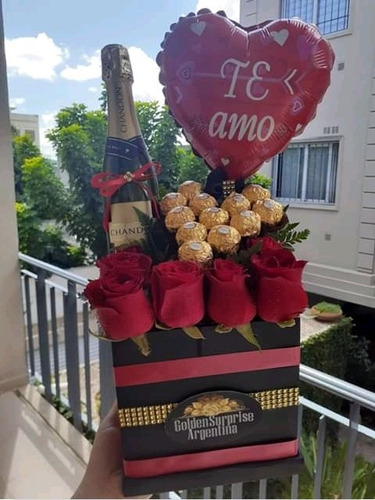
point(224, 239)
point(254, 192)
point(213, 216)
point(191, 231)
point(199, 252)
point(271, 212)
point(235, 203)
point(202, 201)
point(178, 216)
point(189, 189)
point(172, 200)
point(247, 223)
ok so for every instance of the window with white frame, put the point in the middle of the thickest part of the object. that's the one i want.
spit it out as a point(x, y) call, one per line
point(329, 16)
point(306, 173)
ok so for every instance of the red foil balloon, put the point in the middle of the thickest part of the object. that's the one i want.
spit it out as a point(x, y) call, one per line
point(241, 95)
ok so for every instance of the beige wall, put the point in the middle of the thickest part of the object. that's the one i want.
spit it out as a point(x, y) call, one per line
point(26, 124)
point(12, 344)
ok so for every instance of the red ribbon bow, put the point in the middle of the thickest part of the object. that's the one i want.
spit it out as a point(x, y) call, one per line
point(108, 184)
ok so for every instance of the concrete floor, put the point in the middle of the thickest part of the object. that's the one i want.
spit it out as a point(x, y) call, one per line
point(42, 455)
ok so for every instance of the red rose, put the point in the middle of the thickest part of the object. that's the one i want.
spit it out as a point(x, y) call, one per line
point(121, 305)
point(267, 243)
point(280, 296)
point(229, 300)
point(177, 293)
point(130, 260)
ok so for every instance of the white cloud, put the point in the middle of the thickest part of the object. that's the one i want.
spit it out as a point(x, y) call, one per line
point(230, 7)
point(146, 85)
point(93, 89)
point(47, 121)
point(36, 57)
point(15, 102)
point(145, 70)
point(82, 72)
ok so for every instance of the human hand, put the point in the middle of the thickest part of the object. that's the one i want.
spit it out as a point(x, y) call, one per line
point(103, 476)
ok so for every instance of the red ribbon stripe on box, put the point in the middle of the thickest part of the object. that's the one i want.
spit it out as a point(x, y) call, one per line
point(150, 467)
point(205, 366)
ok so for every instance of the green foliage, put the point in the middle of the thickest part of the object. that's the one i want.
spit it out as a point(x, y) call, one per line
point(79, 138)
point(23, 149)
point(328, 352)
point(30, 235)
point(333, 470)
point(327, 307)
point(190, 166)
point(58, 252)
point(289, 237)
point(261, 180)
point(48, 244)
point(43, 190)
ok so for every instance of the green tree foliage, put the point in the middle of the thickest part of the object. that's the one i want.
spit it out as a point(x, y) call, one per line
point(43, 190)
point(23, 149)
point(30, 235)
point(79, 138)
point(190, 166)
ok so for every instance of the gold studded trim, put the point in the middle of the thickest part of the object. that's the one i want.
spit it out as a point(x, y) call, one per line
point(157, 414)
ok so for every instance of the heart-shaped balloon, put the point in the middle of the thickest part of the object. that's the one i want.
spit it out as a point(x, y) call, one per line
point(239, 94)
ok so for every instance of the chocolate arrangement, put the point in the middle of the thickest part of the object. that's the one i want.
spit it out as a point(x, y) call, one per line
point(204, 310)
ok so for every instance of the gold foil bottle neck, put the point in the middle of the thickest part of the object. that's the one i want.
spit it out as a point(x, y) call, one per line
point(116, 63)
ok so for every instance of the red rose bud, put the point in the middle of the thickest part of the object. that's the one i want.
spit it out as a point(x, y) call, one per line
point(131, 260)
point(267, 243)
point(280, 295)
point(229, 300)
point(177, 293)
point(121, 305)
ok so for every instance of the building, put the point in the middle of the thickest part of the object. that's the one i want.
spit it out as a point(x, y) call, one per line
point(26, 124)
point(327, 175)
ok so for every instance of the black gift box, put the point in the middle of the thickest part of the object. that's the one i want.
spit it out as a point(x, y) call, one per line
point(177, 428)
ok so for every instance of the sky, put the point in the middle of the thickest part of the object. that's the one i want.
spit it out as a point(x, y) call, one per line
point(53, 49)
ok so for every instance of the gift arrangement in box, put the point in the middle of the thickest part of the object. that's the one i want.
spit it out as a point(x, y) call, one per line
point(201, 293)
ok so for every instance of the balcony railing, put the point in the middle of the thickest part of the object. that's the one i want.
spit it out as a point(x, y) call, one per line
point(74, 368)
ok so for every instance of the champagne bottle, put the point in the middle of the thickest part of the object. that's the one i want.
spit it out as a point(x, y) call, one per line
point(125, 150)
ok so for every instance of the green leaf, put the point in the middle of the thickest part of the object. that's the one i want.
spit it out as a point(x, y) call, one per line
point(223, 329)
point(287, 324)
point(194, 333)
point(143, 345)
point(247, 332)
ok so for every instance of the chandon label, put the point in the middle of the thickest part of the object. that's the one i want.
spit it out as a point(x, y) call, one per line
point(213, 417)
point(125, 227)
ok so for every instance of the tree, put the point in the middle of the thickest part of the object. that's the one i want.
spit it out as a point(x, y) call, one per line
point(190, 166)
point(23, 149)
point(42, 189)
point(79, 138)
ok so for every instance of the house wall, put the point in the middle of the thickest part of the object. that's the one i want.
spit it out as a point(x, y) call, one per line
point(342, 236)
point(26, 124)
point(12, 339)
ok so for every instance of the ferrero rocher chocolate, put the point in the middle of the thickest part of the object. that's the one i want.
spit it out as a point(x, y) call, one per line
point(247, 223)
point(178, 216)
point(196, 251)
point(202, 201)
point(172, 200)
point(254, 192)
point(235, 203)
point(191, 231)
point(189, 189)
point(213, 216)
point(224, 239)
point(271, 212)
